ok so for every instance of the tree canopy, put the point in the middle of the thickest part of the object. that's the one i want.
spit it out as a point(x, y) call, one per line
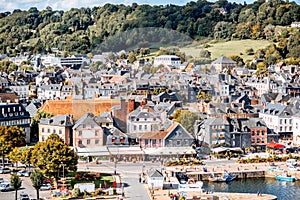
point(80, 30)
point(10, 137)
point(51, 155)
point(186, 119)
point(16, 183)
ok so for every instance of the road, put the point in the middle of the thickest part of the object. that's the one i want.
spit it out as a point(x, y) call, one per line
point(129, 173)
point(25, 188)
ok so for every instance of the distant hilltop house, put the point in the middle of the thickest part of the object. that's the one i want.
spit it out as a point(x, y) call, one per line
point(167, 60)
point(295, 25)
point(222, 64)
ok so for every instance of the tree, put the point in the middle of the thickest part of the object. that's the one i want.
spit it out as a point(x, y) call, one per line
point(186, 119)
point(203, 96)
point(37, 179)
point(50, 156)
point(16, 183)
point(26, 156)
point(10, 137)
point(261, 70)
point(131, 57)
point(15, 155)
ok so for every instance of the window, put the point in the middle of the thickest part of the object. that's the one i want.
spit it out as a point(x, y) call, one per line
point(80, 142)
point(92, 126)
point(60, 131)
point(262, 132)
point(96, 133)
point(121, 139)
point(84, 125)
point(54, 131)
point(134, 127)
point(48, 130)
point(178, 142)
point(252, 133)
point(80, 133)
point(113, 140)
point(280, 128)
point(257, 132)
point(145, 127)
point(96, 141)
point(140, 127)
point(88, 141)
point(107, 124)
point(43, 130)
point(280, 121)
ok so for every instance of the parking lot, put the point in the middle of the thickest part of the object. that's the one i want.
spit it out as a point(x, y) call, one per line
point(25, 188)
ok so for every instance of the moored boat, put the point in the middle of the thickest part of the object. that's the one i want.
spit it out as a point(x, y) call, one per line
point(285, 177)
point(227, 177)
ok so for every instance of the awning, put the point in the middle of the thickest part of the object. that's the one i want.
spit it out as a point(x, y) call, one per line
point(92, 151)
point(274, 145)
point(226, 149)
point(169, 150)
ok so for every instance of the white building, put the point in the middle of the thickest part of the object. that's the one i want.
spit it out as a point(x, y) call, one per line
point(296, 128)
point(167, 60)
point(278, 117)
point(155, 179)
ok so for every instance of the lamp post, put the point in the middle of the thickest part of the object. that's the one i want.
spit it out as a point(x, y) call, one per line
point(115, 171)
point(63, 175)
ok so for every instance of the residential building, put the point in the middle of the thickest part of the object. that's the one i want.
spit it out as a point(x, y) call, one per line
point(87, 132)
point(167, 60)
point(223, 63)
point(14, 114)
point(60, 125)
point(173, 136)
point(278, 117)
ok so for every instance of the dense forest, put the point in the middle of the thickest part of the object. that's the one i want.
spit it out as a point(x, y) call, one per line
point(81, 30)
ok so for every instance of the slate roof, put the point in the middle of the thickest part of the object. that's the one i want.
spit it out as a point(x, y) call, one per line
point(58, 120)
point(223, 60)
point(87, 118)
point(155, 174)
point(32, 108)
point(277, 109)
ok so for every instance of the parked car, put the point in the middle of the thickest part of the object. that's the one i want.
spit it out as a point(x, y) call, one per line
point(56, 194)
point(46, 186)
point(23, 173)
point(5, 187)
point(5, 170)
point(1, 180)
point(24, 196)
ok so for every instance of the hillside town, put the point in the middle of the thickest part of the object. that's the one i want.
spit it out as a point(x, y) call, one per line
point(124, 106)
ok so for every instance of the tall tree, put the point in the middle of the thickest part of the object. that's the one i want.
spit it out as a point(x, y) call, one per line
point(10, 137)
point(26, 156)
point(37, 179)
point(50, 156)
point(186, 119)
point(15, 155)
point(16, 183)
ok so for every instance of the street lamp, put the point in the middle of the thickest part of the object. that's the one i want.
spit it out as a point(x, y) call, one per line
point(115, 161)
point(63, 175)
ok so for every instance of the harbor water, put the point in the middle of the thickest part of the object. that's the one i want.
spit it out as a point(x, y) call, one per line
point(282, 189)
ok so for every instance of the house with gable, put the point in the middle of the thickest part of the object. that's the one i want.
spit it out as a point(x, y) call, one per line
point(143, 119)
point(173, 136)
point(223, 63)
point(87, 132)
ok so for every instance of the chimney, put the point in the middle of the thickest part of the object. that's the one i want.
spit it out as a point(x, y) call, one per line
point(243, 104)
point(131, 103)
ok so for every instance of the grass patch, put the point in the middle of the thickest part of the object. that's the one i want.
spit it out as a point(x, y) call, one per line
point(228, 48)
point(84, 177)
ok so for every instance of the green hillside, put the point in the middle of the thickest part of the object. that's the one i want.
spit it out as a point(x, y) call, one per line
point(82, 30)
point(229, 48)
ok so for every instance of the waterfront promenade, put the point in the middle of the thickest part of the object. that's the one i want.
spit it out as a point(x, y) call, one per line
point(198, 172)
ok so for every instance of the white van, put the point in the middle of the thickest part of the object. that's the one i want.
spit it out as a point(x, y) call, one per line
point(5, 187)
point(291, 162)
